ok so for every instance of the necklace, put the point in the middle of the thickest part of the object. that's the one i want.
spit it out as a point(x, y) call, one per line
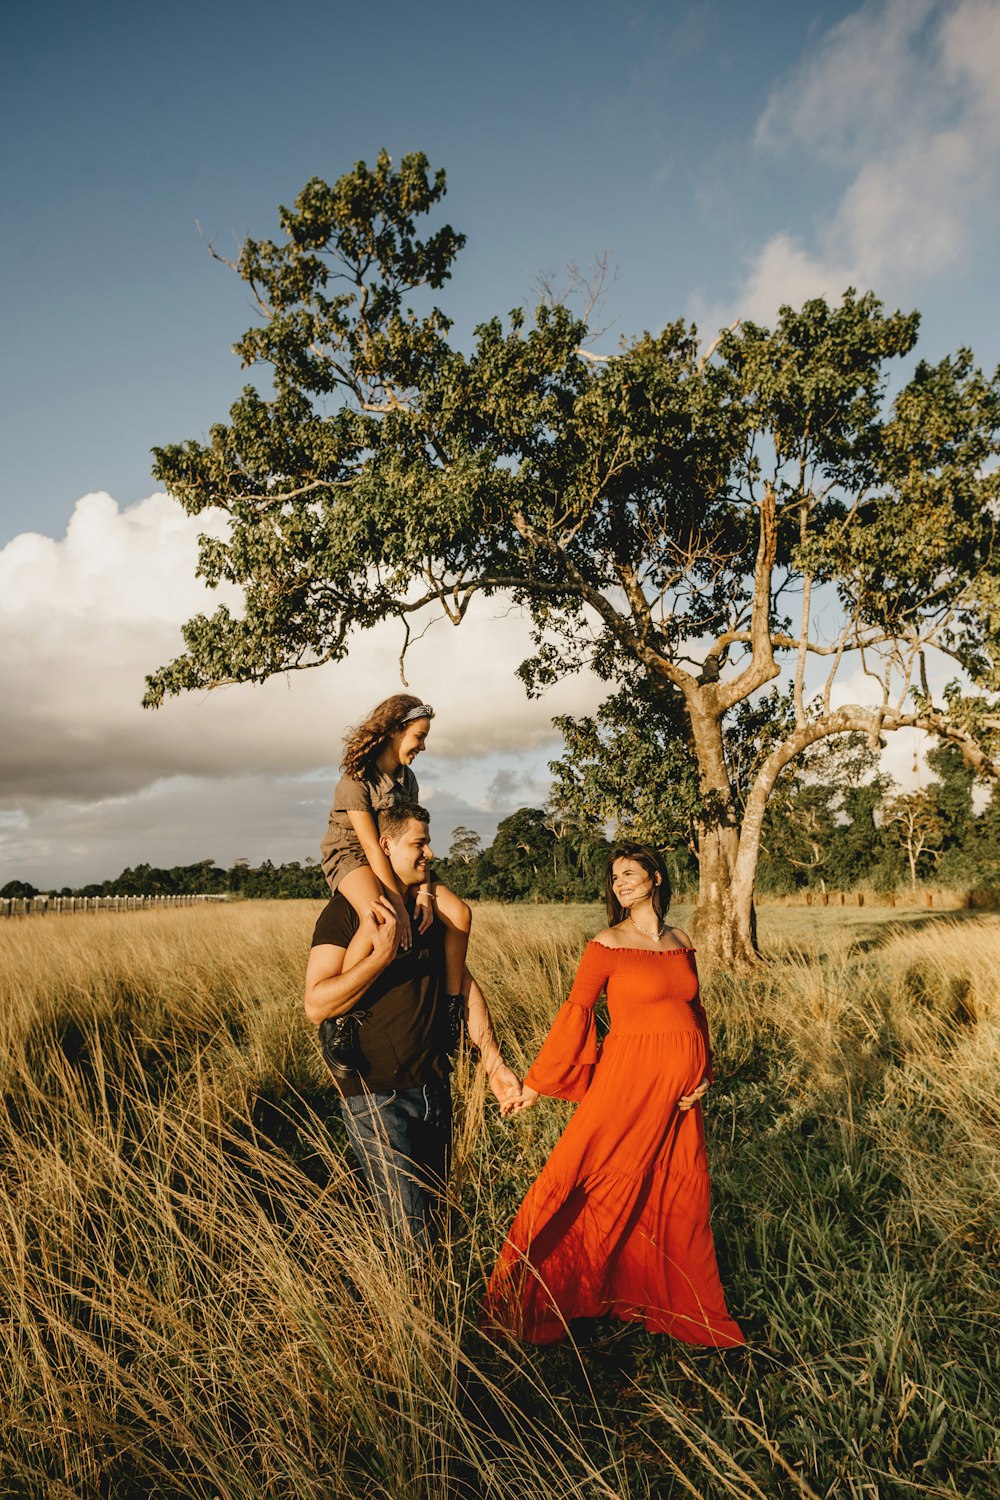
point(653, 936)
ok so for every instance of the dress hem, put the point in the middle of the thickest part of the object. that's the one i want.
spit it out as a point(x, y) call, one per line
point(556, 1332)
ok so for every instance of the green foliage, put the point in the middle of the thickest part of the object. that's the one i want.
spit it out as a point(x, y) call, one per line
point(206, 878)
point(535, 856)
point(465, 846)
point(631, 765)
point(662, 513)
point(628, 487)
point(821, 829)
point(539, 856)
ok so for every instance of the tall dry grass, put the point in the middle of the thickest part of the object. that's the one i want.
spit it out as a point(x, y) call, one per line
point(195, 1303)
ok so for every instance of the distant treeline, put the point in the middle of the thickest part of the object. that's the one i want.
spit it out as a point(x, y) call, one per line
point(533, 857)
point(204, 878)
point(842, 827)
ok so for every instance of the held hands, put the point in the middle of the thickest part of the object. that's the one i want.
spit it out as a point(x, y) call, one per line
point(507, 1089)
point(525, 1100)
point(687, 1101)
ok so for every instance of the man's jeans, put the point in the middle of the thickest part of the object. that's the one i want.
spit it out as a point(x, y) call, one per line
point(403, 1143)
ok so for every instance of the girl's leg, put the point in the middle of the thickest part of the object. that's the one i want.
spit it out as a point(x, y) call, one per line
point(361, 887)
point(456, 916)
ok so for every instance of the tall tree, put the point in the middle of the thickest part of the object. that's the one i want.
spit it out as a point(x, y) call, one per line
point(665, 510)
point(518, 861)
point(951, 791)
point(820, 826)
point(466, 845)
point(913, 820)
point(629, 765)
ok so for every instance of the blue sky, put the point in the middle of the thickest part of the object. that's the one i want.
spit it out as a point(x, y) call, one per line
point(727, 157)
point(565, 129)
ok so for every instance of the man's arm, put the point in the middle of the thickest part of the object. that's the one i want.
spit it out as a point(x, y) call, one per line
point(336, 978)
point(504, 1081)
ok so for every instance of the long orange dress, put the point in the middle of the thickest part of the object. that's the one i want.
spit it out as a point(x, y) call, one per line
point(617, 1220)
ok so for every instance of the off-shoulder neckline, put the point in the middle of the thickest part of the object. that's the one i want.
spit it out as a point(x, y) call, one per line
point(656, 952)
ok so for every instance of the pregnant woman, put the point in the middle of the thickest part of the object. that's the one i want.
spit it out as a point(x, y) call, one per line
point(617, 1220)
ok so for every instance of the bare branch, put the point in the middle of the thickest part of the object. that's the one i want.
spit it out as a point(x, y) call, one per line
point(274, 499)
point(210, 247)
point(762, 666)
point(402, 654)
point(592, 288)
point(622, 631)
point(716, 342)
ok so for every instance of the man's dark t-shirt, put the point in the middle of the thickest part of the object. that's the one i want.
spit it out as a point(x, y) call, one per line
point(404, 1032)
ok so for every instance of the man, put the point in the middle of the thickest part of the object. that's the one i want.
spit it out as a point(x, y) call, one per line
point(392, 1066)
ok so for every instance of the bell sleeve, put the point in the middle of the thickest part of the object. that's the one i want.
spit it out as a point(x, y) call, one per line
point(567, 1057)
point(702, 1020)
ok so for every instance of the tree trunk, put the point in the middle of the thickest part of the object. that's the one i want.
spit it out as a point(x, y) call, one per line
point(724, 926)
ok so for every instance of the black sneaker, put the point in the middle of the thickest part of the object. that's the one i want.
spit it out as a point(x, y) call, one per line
point(338, 1037)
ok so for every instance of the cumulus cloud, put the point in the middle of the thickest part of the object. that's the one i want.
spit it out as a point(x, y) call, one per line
point(85, 617)
point(87, 777)
point(90, 783)
point(180, 820)
point(900, 100)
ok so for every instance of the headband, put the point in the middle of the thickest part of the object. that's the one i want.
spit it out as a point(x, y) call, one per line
point(422, 711)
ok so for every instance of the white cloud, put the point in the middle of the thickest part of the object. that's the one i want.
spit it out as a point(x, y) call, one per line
point(852, 92)
point(183, 819)
point(90, 783)
point(903, 756)
point(83, 768)
point(901, 97)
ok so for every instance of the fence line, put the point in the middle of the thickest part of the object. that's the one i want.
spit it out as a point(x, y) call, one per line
point(41, 906)
point(859, 898)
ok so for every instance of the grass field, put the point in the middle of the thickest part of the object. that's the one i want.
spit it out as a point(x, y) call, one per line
point(193, 1302)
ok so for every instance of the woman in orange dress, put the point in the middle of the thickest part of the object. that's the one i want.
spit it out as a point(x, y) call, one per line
point(617, 1220)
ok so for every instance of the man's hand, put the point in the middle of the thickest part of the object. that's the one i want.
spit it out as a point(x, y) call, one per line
point(506, 1087)
point(382, 930)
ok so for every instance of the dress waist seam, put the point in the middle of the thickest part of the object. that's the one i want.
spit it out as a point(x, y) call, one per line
point(693, 1029)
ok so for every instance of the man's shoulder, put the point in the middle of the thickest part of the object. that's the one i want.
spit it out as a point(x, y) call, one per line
point(337, 923)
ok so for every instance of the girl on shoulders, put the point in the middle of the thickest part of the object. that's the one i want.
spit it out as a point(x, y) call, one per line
point(377, 766)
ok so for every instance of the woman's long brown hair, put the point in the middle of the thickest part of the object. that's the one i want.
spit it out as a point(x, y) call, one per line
point(651, 862)
point(363, 744)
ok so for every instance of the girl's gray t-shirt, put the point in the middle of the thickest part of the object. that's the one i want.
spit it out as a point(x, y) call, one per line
point(341, 851)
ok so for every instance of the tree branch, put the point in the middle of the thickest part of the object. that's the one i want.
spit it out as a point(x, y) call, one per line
point(716, 342)
point(762, 666)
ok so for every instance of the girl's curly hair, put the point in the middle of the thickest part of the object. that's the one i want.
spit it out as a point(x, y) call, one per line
point(363, 743)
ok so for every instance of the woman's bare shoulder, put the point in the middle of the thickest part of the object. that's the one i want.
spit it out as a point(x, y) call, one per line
point(682, 937)
point(609, 938)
